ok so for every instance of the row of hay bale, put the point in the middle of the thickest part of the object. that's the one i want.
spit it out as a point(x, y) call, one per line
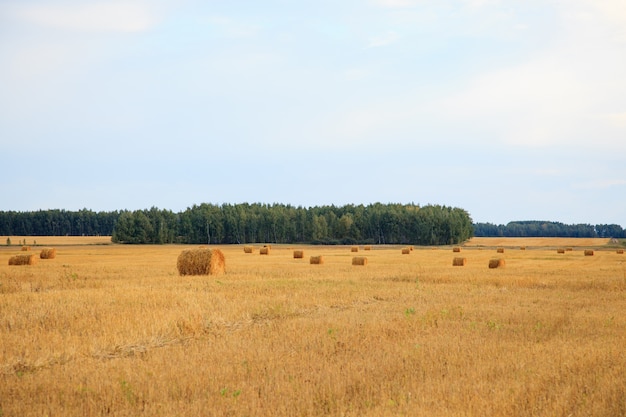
point(31, 259)
point(265, 250)
point(204, 261)
point(493, 263)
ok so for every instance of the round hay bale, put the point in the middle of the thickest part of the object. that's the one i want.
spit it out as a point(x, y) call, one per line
point(500, 250)
point(354, 249)
point(620, 251)
point(459, 261)
point(496, 263)
point(456, 249)
point(522, 248)
point(568, 249)
point(201, 262)
point(23, 260)
point(359, 260)
point(48, 253)
point(298, 254)
point(588, 252)
point(560, 250)
point(316, 260)
point(406, 251)
point(367, 247)
point(248, 249)
point(25, 248)
point(265, 250)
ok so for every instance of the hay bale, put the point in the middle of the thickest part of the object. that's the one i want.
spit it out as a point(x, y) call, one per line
point(456, 249)
point(459, 261)
point(298, 254)
point(201, 262)
point(620, 251)
point(560, 250)
point(406, 251)
point(500, 250)
point(248, 249)
point(568, 249)
point(316, 260)
point(359, 260)
point(496, 263)
point(354, 249)
point(48, 253)
point(588, 252)
point(367, 247)
point(265, 250)
point(522, 248)
point(23, 260)
point(25, 248)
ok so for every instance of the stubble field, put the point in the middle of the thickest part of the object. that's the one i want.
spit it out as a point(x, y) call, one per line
point(114, 330)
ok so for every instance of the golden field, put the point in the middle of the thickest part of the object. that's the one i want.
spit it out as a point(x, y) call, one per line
point(114, 330)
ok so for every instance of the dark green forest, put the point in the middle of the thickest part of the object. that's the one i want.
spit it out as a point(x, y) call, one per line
point(254, 223)
point(533, 228)
point(278, 223)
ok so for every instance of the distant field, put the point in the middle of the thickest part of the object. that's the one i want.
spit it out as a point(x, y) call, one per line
point(57, 240)
point(536, 241)
point(114, 330)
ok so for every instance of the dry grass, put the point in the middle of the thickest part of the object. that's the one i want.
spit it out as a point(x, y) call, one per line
point(113, 330)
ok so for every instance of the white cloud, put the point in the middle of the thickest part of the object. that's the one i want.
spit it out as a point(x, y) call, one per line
point(92, 17)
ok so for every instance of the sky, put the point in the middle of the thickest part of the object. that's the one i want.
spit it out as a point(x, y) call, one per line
point(511, 110)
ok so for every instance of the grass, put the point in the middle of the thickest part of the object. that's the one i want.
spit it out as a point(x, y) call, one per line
point(113, 330)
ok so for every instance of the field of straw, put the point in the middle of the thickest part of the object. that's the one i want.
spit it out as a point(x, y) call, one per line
point(103, 330)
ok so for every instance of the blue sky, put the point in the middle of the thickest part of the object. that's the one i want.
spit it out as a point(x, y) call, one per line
point(511, 110)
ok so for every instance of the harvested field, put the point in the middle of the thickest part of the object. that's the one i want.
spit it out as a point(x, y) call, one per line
point(113, 329)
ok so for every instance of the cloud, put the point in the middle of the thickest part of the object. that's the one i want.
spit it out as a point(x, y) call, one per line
point(92, 17)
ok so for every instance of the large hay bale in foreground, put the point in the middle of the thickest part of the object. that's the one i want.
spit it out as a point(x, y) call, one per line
point(248, 249)
point(316, 260)
point(588, 252)
point(298, 254)
point(359, 260)
point(201, 262)
point(496, 263)
point(406, 251)
point(48, 253)
point(459, 261)
point(23, 260)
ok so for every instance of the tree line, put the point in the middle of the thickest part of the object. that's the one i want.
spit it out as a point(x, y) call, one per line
point(255, 223)
point(534, 228)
